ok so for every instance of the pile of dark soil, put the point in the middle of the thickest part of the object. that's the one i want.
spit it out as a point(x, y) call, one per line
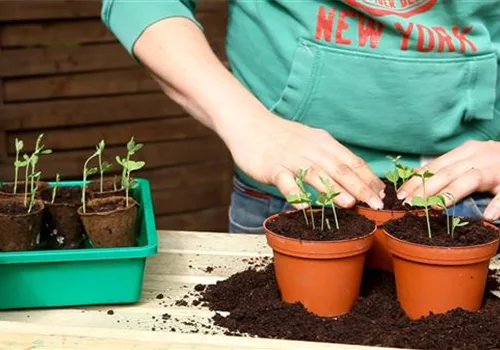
point(412, 228)
point(293, 225)
point(391, 201)
point(252, 299)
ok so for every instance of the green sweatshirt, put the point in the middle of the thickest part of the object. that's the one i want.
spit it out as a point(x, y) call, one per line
point(384, 77)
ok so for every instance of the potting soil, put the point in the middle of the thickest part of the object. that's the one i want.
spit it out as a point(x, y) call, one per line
point(253, 301)
point(391, 201)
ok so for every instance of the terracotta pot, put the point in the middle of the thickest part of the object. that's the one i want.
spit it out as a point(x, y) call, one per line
point(439, 279)
point(42, 186)
point(379, 256)
point(325, 276)
point(20, 231)
point(94, 188)
point(112, 227)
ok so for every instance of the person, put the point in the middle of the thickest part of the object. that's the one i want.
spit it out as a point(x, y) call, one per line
point(335, 87)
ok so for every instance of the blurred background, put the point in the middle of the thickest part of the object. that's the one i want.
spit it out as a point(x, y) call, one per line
point(62, 73)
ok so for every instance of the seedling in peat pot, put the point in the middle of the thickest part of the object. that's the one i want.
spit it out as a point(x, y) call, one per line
point(303, 197)
point(425, 202)
point(86, 173)
point(129, 166)
point(103, 166)
point(17, 163)
point(132, 148)
point(35, 178)
point(328, 199)
point(54, 189)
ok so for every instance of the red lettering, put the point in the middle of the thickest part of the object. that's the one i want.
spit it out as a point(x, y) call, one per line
point(461, 36)
point(421, 42)
point(444, 38)
point(324, 26)
point(372, 30)
point(341, 26)
point(406, 34)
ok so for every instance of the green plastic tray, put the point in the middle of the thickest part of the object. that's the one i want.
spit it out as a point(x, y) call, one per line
point(56, 278)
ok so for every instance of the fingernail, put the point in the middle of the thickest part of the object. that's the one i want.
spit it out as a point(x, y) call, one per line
point(382, 194)
point(402, 195)
point(407, 201)
point(375, 203)
point(491, 213)
point(345, 200)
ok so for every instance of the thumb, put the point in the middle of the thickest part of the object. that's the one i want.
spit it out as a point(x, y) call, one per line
point(492, 211)
point(284, 180)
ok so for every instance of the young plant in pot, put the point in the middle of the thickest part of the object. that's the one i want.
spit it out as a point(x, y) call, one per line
point(21, 217)
point(64, 229)
point(110, 221)
point(379, 257)
point(319, 254)
point(104, 186)
point(19, 188)
point(440, 261)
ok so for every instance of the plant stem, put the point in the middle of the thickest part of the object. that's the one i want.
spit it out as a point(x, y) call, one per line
point(305, 216)
point(335, 216)
point(328, 224)
point(426, 209)
point(85, 181)
point(16, 171)
point(322, 217)
point(312, 217)
point(128, 186)
point(101, 172)
point(26, 184)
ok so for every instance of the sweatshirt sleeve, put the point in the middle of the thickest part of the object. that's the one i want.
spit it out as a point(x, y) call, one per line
point(127, 19)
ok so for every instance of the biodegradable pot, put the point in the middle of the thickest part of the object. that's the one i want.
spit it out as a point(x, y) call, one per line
point(20, 229)
point(7, 189)
point(432, 279)
point(109, 223)
point(325, 276)
point(379, 256)
point(94, 188)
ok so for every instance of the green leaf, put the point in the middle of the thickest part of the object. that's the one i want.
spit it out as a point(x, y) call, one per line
point(296, 199)
point(404, 172)
point(137, 147)
point(20, 163)
point(19, 145)
point(418, 202)
point(322, 199)
point(392, 176)
point(394, 159)
point(46, 151)
point(133, 165)
point(437, 200)
point(120, 161)
point(35, 175)
point(91, 171)
point(101, 145)
point(427, 174)
point(26, 157)
point(106, 166)
point(131, 145)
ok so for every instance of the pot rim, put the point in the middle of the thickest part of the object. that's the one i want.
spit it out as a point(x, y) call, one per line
point(18, 199)
point(105, 213)
point(266, 221)
point(387, 211)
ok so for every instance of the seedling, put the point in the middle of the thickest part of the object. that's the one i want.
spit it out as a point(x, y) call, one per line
point(330, 195)
point(132, 148)
point(17, 163)
point(393, 175)
point(32, 161)
point(400, 173)
point(129, 166)
point(455, 221)
point(303, 197)
point(425, 202)
point(35, 178)
point(103, 166)
point(86, 173)
point(54, 189)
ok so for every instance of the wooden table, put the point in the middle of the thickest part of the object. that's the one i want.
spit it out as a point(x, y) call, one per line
point(180, 265)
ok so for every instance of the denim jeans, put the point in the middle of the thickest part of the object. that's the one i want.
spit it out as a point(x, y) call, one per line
point(250, 207)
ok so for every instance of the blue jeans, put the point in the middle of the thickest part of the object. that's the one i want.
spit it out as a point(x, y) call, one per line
point(250, 207)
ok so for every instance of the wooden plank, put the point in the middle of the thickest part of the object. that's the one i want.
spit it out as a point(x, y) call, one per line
point(197, 174)
point(114, 134)
point(69, 164)
point(213, 219)
point(80, 58)
point(135, 80)
point(179, 200)
point(90, 31)
point(85, 111)
point(48, 9)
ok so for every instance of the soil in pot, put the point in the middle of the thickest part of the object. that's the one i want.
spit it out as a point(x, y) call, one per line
point(434, 275)
point(253, 305)
point(322, 269)
point(20, 229)
point(109, 222)
point(111, 188)
point(63, 228)
point(7, 189)
point(379, 257)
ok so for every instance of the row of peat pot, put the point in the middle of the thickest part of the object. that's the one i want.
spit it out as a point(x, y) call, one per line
point(325, 275)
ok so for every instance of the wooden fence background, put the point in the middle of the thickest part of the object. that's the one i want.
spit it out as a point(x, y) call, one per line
point(62, 73)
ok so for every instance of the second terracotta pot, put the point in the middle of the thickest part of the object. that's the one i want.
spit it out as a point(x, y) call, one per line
point(439, 279)
point(325, 276)
point(379, 256)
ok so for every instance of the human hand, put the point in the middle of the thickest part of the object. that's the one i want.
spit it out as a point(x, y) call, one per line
point(271, 150)
point(472, 167)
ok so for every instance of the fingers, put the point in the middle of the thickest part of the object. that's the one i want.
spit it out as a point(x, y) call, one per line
point(284, 180)
point(344, 199)
point(492, 211)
